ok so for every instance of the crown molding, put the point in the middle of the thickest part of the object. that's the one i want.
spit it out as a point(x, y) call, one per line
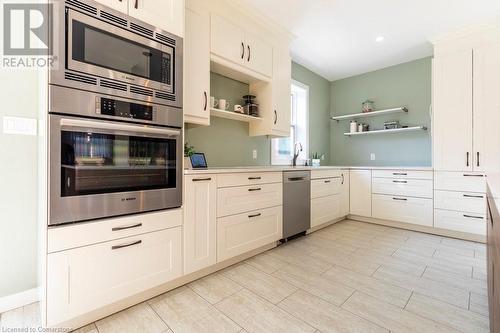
point(467, 31)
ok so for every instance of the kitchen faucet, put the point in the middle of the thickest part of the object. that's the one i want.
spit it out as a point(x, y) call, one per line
point(296, 153)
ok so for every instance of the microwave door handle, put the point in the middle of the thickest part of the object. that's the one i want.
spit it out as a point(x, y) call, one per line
point(65, 122)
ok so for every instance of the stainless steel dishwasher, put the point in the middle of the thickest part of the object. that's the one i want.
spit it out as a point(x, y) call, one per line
point(296, 202)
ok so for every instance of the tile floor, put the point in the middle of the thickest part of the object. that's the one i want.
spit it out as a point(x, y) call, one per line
point(349, 277)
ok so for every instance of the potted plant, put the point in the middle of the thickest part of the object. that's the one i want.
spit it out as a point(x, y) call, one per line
point(316, 159)
point(188, 152)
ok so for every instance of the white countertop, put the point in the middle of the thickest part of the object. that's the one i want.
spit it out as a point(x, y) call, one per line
point(298, 168)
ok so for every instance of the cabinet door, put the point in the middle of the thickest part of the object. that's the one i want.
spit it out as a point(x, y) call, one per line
point(228, 40)
point(167, 15)
point(361, 193)
point(119, 5)
point(87, 278)
point(403, 209)
point(259, 55)
point(200, 223)
point(486, 108)
point(197, 67)
point(452, 111)
point(282, 77)
point(344, 193)
point(325, 209)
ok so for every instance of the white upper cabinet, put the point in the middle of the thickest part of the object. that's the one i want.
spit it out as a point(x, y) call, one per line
point(119, 5)
point(452, 111)
point(228, 40)
point(167, 15)
point(282, 77)
point(197, 67)
point(486, 108)
point(259, 54)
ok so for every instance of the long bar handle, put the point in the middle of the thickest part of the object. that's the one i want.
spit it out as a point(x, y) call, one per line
point(254, 215)
point(469, 175)
point(473, 217)
point(117, 247)
point(202, 179)
point(400, 199)
point(88, 124)
point(127, 227)
point(473, 196)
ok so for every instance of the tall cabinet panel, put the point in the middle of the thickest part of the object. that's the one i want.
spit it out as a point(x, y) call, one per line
point(486, 108)
point(282, 74)
point(197, 67)
point(452, 112)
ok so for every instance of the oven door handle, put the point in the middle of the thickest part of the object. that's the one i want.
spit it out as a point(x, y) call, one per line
point(87, 124)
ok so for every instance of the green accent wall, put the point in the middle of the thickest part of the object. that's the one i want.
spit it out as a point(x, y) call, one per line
point(226, 143)
point(407, 84)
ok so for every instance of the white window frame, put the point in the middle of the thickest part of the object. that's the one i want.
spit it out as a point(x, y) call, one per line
point(304, 155)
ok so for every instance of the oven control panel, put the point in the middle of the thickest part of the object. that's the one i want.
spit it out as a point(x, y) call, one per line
point(123, 109)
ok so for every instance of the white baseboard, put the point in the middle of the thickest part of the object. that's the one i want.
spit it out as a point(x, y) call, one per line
point(18, 300)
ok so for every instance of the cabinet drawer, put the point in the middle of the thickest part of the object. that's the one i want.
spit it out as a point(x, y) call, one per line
point(411, 174)
point(82, 234)
point(318, 174)
point(242, 179)
point(460, 201)
point(87, 278)
point(459, 221)
point(405, 187)
point(460, 181)
point(241, 233)
point(235, 200)
point(402, 209)
point(325, 187)
point(325, 209)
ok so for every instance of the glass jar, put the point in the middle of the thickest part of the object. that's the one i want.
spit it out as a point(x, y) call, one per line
point(367, 106)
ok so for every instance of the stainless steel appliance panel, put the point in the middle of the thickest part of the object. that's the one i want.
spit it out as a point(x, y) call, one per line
point(296, 202)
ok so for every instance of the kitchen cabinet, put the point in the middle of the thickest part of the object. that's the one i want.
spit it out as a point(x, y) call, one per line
point(460, 221)
point(403, 187)
point(197, 66)
point(325, 187)
point(234, 200)
point(119, 5)
point(325, 209)
point(259, 54)
point(282, 77)
point(360, 197)
point(200, 222)
point(403, 209)
point(344, 193)
point(452, 111)
point(87, 278)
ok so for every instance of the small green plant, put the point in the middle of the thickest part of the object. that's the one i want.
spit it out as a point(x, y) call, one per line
point(318, 156)
point(188, 150)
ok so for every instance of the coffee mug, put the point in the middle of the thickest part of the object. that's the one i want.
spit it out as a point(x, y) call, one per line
point(223, 104)
point(238, 108)
point(213, 102)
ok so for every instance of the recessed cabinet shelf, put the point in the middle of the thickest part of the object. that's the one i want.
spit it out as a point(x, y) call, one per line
point(371, 114)
point(395, 130)
point(233, 115)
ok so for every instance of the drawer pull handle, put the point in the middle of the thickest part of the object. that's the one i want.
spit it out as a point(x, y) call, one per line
point(254, 215)
point(473, 217)
point(400, 174)
point(127, 227)
point(327, 181)
point(254, 178)
point(469, 175)
point(400, 181)
point(254, 189)
point(117, 247)
point(202, 179)
point(400, 199)
point(473, 196)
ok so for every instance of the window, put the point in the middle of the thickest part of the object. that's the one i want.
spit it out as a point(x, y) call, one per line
point(282, 149)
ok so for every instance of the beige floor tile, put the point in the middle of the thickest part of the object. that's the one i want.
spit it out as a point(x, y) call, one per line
point(256, 315)
point(139, 318)
point(328, 244)
point(314, 264)
point(215, 287)
point(406, 266)
point(390, 293)
point(392, 317)
point(91, 328)
point(460, 319)
point(463, 260)
point(479, 304)
point(325, 317)
point(456, 280)
point(269, 287)
point(186, 312)
point(439, 263)
point(25, 317)
point(479, 273)
point(441, 246)
point(266, 262)
point(355, 264)
point(325, 288)
point(462, 244)
point(436, 289)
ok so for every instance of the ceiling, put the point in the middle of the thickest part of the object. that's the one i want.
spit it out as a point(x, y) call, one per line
point(336, 38)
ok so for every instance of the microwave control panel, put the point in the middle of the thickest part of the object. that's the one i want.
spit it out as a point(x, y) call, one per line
point(117, 108)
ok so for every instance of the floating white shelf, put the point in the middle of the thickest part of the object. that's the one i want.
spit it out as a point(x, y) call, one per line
point(233, 115)
point(395, 130)
point(371, 114)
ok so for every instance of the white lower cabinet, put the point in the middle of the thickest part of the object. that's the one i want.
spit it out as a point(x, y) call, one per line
point(402, 209)
point(460, 201)
point(200, 222)
point(87, 278)
point(460, 181)
point(325, 187)
point(460, 221)
point(361, 193)
point(405, 187)
point(235, 200)
point(325, 209)
point(344, 193)
point(241, 233)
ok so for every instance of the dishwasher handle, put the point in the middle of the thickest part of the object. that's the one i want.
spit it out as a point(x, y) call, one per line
point(296, 179)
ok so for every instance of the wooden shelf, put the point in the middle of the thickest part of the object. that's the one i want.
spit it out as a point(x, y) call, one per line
point(396, 130)
point(233, 115)
point(371, 114)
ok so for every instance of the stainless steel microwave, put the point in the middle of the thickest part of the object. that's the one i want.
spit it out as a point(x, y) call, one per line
point(102, 50)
